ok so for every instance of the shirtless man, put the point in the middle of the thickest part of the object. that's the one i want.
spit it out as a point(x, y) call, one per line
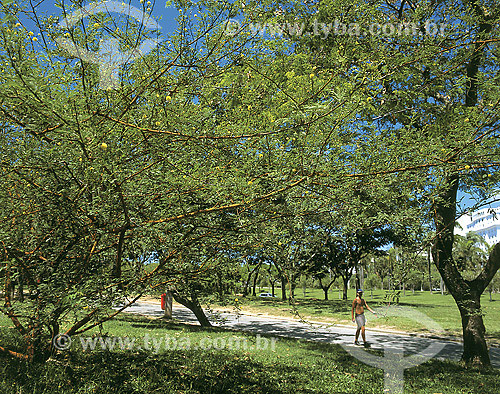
point(358, 306)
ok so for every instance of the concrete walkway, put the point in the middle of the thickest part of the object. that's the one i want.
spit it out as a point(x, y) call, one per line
point(293, 328)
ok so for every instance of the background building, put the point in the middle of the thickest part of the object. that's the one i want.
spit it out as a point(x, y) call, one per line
point(485, 222)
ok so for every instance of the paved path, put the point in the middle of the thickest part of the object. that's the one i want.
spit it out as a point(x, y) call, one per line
point(315, 332)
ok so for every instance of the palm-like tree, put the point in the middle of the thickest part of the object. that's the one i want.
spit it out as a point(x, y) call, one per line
point(470, 253)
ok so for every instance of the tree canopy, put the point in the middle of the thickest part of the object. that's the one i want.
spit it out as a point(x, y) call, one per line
point(213, 140)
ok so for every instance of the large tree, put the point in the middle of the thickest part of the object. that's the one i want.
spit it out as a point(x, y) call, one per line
point(425, 125)
point(95, 180)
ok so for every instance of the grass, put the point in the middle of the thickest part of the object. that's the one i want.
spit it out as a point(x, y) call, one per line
point(440, 308)
point(292, 366)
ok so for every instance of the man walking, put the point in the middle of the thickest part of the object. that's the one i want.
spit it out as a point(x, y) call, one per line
point(358, 307)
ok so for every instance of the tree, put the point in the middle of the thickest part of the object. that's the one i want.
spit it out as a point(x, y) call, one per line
point(466, 293)
point(429, 116)
point(494, 285)
point(470, 253)
point(372, 282)
point(324, 259)
point(94, 180)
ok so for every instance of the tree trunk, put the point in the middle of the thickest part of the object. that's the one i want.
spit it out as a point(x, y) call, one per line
point(247, 284)
point(358, 281)
point(168, 305)
point(20, 288)
point(38, 351)
point(254, 284)
point(194, 306)
point(466, 293)
point(361, 277)
point(429, 268)
point(475, 347)
point(200, 315)
point(249, 278)
point(346, 281)
point(283, 288)
point(117, 266)
point(324, 288)
point(292, 284)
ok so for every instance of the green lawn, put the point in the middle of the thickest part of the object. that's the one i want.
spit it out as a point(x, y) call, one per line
point(290, 367)
point(440, 308)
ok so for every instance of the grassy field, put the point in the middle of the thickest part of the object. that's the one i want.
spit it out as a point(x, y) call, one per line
point(185, 366)
point(440, 308)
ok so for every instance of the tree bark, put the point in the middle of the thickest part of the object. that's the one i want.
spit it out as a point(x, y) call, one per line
point(475, 347)
point(283, 281)
point(466, 293)
point(283, 288)
point(293, 285)
point(194, 306)
point(271, 280)
point(20, 288)
point(324, 288)
point(254, 283)
point(429, 267)
point(345, 279)
point(168, 305)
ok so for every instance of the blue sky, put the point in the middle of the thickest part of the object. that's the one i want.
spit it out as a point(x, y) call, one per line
point(162, 12)
point(467, 201)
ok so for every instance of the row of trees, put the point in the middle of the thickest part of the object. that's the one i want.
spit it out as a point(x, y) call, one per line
point(218, 147)
point(389, 269)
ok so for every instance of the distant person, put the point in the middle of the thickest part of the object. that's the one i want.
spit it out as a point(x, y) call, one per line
point(358, 307)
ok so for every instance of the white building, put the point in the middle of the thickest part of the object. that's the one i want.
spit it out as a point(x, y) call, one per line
point(485, 222)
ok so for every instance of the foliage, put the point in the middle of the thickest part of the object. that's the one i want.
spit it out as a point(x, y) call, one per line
point(220, 146)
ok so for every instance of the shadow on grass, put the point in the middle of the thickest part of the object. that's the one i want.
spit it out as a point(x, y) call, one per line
point(447, 376)
point(139, 321)
point(321, 306)
point(175, 372)
point(310, 367)
point(417, 306)
point(172, 372)
point(332, 306)
point(434, 376)
point(173, 325)
point(296, 367)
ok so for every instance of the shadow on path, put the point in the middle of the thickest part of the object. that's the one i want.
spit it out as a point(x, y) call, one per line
point(315, 332)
